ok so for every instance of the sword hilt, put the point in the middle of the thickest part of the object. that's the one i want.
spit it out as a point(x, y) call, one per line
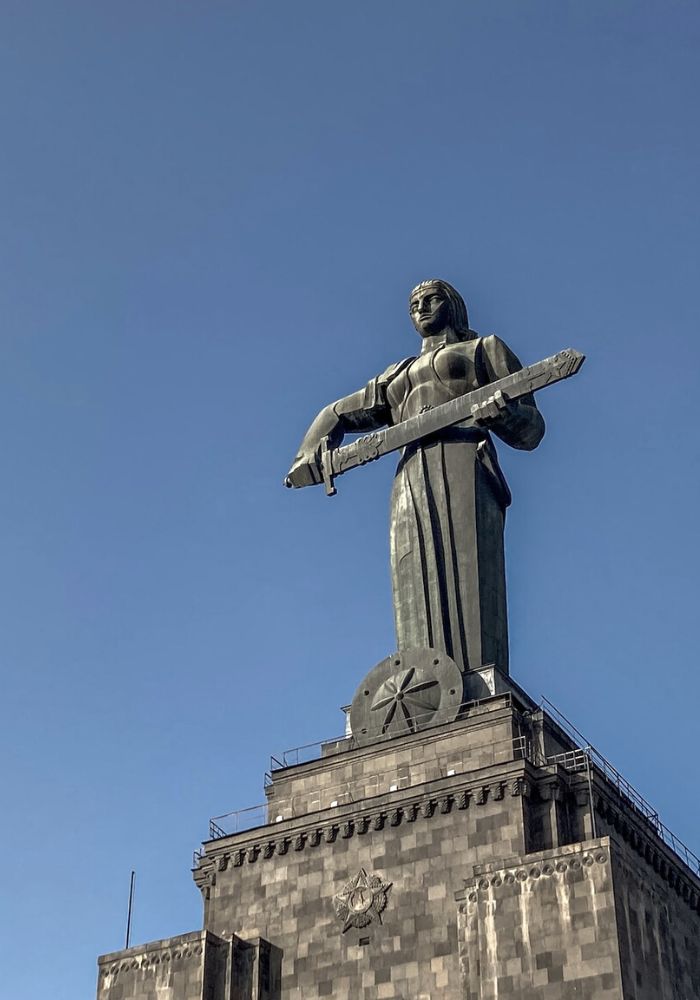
point(325, 461)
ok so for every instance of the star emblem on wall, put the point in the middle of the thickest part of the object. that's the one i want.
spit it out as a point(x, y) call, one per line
point(362, 900)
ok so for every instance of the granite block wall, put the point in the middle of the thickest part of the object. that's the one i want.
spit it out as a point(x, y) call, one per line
point(659, 932)
point(197, 966)
point(592, 920)
point(189, 967)
point(362, 894)
point(409, 950)
point(486, 737)
point(542, 927)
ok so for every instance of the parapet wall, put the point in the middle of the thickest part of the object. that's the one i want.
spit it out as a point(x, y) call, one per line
point(542, 925)
point(197, 966)
point(589, 920)
point(658, 930)
point(188, 967)
point(489, 733)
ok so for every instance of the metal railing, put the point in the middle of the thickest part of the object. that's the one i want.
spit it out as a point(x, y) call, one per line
point(691, 860)
point(585, 757)
point(237, 821)
point(381, 782)
point(314, 751)
point(306, 753)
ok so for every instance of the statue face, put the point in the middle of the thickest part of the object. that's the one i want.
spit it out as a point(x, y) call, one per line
point(430, 310)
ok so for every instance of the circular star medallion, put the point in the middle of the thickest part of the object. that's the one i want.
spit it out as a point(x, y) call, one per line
point(362, 900)
point(406, 692)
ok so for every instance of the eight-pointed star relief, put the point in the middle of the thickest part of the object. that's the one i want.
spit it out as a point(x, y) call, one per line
point(413, 696)
point(362, 900)
point(406, 692)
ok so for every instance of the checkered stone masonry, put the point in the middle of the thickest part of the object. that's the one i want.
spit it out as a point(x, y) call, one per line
point(542, 926)
point(658, 931)
point(188, 967)
point(424, 852)
point(198, 966)
point(613, 918)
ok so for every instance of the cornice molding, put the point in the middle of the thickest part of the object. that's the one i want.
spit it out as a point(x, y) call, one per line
point(658, 856)
point(312, 835)
point(482, 886)
point(156, 956)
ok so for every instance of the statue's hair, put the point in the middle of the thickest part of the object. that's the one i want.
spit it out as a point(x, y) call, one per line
point(458, 310)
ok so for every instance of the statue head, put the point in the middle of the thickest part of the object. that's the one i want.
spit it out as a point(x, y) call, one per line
point(435, 306)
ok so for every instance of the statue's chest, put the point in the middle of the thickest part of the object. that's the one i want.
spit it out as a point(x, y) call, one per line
point(433, 379)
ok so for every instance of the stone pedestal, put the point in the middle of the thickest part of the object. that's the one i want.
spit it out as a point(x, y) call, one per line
point(490, 680)
point(486, 858)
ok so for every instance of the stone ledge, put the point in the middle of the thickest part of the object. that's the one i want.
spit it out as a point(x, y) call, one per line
point(168, 953)
point(531, 867)
point(477, 777)
point(541, 925)
point(639, 834)
point(481, 715)
point(396, 809)
point(191, 939)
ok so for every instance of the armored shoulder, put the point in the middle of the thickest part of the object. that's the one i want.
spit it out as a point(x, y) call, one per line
point(498, 357)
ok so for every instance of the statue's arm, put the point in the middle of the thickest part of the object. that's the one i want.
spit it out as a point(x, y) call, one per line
point(519, 423)
point(364, 410)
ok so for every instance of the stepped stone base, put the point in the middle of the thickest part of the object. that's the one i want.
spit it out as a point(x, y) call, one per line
point(463, 862)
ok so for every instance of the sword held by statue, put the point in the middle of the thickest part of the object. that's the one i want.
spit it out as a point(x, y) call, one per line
point(333, 462)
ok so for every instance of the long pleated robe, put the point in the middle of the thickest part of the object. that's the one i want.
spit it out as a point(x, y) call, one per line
point(448, 508)
point(447, 559)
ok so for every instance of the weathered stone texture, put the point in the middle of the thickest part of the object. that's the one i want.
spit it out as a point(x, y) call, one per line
point(484, 737)
point(542, 926)
point(659, 933)
point(198, 966)
point(289, 900)
point(188, 967)
point(423, 812)
point(589, 920)
point(562, 900)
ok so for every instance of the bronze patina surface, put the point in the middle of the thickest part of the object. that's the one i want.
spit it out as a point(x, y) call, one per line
point(449, 496)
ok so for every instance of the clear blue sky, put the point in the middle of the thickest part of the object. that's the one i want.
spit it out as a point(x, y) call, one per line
point(212, 215)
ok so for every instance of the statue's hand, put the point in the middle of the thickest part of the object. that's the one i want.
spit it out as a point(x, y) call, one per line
point(492, 410)
point(304, 472)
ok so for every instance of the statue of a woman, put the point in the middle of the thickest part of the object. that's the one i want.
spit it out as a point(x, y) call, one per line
point(449, 497)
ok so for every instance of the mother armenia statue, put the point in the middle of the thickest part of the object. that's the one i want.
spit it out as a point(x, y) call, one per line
point(449, 497)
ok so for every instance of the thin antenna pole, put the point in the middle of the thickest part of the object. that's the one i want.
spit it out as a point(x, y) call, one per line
point(131, 904)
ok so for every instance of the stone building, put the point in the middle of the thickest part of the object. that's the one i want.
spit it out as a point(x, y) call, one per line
point(492, 856)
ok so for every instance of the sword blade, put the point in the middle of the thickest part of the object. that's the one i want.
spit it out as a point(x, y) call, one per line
point(456, 411)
